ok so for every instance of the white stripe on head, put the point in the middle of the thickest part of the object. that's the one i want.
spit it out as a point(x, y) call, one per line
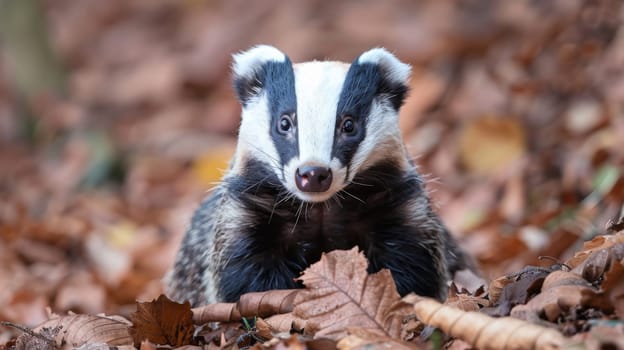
point(318, 86)
point(253, 135)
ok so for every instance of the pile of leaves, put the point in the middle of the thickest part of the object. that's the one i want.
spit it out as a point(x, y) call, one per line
point(344, 307)
point(116, 117)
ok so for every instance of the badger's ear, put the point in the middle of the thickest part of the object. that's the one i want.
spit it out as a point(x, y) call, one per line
point(249, 69)
point(394, 75)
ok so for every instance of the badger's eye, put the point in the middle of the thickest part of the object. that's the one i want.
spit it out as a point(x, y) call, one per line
point(285, 123)
point(348, 125)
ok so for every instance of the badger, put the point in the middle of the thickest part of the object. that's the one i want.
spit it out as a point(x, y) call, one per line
point(320, 165)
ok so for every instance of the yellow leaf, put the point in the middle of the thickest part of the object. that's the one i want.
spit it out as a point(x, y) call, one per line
point(209, 167)
point(490, 143)
point(121, 234)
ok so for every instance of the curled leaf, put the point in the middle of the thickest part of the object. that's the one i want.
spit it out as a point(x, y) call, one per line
point(482, 331)
point(261, 304)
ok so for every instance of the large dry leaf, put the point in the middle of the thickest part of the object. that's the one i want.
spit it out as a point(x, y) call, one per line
point(162, 321)
point(77, 330)
point(340, 294)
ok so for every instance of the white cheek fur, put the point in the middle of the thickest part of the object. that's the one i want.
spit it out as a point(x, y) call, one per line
point(254, 138)
point(383, 138)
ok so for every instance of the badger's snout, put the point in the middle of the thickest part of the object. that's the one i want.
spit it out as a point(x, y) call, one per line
point(313, 178)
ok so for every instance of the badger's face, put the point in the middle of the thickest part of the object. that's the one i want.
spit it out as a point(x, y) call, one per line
point(317, 124)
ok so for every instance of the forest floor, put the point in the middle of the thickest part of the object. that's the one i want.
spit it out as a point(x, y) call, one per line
point(515, 117)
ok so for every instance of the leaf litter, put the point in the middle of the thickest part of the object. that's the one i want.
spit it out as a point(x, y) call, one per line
point(98, 183)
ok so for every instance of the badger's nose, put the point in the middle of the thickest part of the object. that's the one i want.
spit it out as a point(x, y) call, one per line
point(313, 178)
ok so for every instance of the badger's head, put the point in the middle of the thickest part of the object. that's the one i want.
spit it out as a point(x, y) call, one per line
point(318, 124)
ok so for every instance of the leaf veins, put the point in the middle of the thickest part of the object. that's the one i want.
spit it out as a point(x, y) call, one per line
point(340, 295)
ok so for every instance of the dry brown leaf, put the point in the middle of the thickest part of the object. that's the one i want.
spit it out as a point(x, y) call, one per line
point(597, 243)
point(600, 337)
point(218, 312)
point(594, 265)
point(281, 323)
point(77, 330)
point(561, 291)
point(269, 303)
point(613, 286)
point(598, 261)
point(225, 334)
point(296, 342)
point(261, 304)
point(518, 289)
point(467, 302)
point(497, 285)
point(458, 344)
point(45, 339)
point(340, 294)
point(162, 321)
point(482, 331)
point(362, 339)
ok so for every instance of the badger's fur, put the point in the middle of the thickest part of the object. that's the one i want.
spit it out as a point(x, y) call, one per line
point(320, 165)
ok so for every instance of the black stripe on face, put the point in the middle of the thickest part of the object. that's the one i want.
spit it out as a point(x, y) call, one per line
point(280, 87)
point(363, 83)
point(277, 80)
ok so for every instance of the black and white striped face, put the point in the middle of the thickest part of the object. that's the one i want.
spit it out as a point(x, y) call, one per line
point(317, 124)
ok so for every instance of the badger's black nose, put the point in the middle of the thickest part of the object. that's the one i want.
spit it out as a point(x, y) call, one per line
point(313, 178)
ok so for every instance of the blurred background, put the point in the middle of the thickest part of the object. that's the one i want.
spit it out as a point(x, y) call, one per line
point(117, 116)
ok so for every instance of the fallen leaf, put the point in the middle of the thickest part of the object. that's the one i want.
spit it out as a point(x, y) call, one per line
point(496, 287)
point(598, 261)
point(341, 295)
point(598, 242)
point(163, 322)
point(359, 339)
point(225, 334)
point(77, 330)
point(561, 291)
point(601, 336)
point(518, 289)
point(31, 339)
point(467, 302)
point(261, 304)
point(281, 323)
point(297, 342)
point(482, 331)
point(613, 286)
point(490, 143)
